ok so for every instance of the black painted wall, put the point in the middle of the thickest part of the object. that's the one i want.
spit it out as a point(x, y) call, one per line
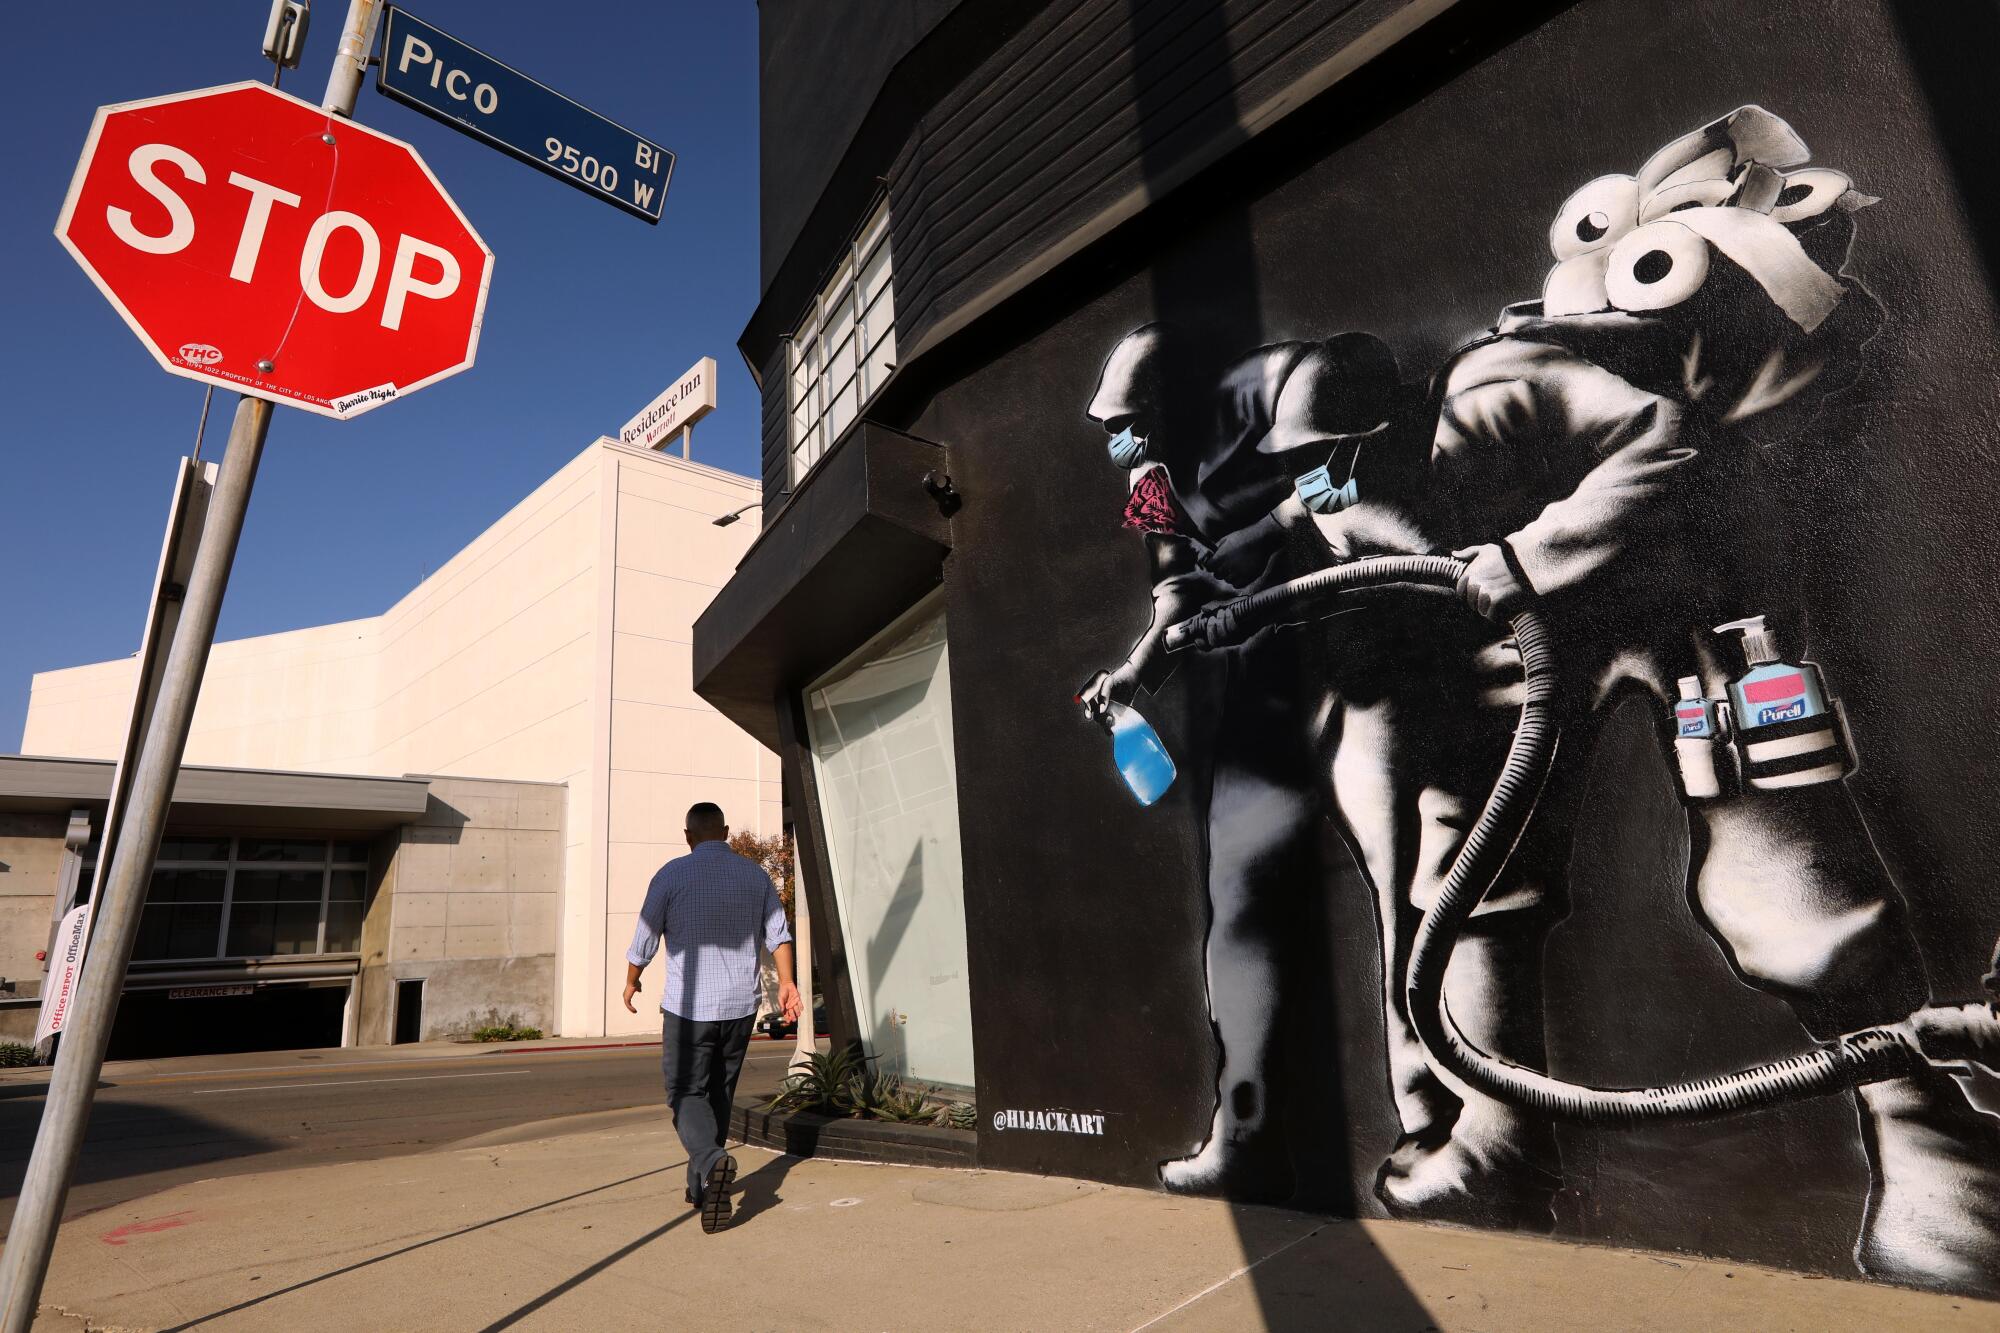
point(1417, 218)
point(997, 127)
point(822, 64)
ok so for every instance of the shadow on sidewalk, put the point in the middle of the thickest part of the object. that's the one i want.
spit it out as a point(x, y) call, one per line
point(122, 1140)
point(759, 1193)
point(241, 1306)
point(760, 1187)
point(1333, 1276)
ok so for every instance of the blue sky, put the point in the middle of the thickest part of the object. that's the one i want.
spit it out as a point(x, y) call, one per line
point(592, 313)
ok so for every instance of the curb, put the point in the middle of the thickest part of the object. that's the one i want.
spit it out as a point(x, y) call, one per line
point(500, 1048)
point(653, 1115)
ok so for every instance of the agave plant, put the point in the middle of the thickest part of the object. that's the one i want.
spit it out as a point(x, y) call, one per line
point(954, 1115)
point(823, 1083)
point(905, 1107)
point(840, 1083)
point(869, 1090)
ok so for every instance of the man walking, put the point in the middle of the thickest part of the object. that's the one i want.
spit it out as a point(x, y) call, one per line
point(714, 908)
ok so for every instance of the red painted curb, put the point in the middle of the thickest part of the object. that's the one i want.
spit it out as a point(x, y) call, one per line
point(595, 1046)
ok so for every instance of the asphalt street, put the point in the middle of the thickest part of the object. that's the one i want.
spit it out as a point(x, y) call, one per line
point(164, 1127)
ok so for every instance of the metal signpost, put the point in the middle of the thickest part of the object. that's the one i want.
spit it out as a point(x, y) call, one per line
point(429, 69)
point(177, 217)
point(193, 486)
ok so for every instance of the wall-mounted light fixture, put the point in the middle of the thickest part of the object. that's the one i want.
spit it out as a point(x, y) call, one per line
point(937, 484)
point(726, 519)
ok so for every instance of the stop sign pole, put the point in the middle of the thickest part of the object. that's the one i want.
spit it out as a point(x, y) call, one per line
point(73, 1085)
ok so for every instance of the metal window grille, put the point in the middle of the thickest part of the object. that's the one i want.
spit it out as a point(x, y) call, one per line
point(845, 349)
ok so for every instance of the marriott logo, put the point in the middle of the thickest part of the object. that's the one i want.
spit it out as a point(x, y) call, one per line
point(1052, 1122)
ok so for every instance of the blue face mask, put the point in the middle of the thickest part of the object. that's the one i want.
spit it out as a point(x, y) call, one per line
point(1318, 493)
point(1126, 451)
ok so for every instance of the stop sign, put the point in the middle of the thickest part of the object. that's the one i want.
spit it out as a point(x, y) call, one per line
point(256, 242)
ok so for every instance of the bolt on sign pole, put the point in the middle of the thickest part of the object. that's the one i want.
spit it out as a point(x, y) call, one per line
point(73, 1085)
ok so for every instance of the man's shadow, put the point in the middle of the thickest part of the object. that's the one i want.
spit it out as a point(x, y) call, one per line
point(759, 1189)
point(758, 1192)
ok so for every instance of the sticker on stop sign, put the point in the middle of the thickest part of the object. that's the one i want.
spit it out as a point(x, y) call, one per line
point(255, 242)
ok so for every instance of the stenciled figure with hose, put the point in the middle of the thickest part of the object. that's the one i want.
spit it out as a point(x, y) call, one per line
point(1206, 462)
point(1599, 473)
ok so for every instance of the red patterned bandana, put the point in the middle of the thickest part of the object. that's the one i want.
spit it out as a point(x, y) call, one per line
point(1153, 508)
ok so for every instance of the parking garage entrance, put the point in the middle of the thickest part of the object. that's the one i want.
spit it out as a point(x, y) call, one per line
point(225, 1018)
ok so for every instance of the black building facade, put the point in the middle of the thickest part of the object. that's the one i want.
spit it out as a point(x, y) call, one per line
point(1225, 459)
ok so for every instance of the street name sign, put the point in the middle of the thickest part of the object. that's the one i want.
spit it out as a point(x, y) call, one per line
point(258, 243)
point(685, 401)
point(429, 69)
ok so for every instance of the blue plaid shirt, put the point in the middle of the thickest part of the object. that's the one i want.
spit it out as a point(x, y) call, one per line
point(715, 908)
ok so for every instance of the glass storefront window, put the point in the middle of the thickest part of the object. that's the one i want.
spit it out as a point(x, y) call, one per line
point(214, 896)
point(346, 894)
point(880, 728)
point(275, 912)
point(183, 914)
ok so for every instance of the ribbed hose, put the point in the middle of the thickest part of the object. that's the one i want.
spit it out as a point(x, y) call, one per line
point(1861, 1057)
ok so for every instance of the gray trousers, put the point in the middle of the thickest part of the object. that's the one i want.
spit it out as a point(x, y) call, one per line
point(701, 1062)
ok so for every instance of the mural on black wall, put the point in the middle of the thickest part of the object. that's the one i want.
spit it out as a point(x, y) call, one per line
point(1415, 609)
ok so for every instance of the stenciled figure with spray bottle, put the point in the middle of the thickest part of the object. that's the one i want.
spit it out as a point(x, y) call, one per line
point(1204, 469)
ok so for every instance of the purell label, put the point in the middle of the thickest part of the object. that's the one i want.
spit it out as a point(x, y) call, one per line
point(1693, 718)
point(1781, 712)
point(1788, 686)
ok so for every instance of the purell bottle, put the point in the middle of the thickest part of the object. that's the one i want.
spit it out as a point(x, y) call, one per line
point(1141, 756)
point(1788, 735)
point(1695, 734)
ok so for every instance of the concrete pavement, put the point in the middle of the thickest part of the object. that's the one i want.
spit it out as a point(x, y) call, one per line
point(587, 1230)
point(160, 1123)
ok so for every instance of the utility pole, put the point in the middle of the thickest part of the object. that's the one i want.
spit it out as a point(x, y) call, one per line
point(73, 1084)
point(805, 1040)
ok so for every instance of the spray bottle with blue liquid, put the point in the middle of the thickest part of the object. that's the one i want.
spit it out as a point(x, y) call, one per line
point(1138, 751)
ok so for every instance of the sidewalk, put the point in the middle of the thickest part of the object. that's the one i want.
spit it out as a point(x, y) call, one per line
point(588, 1231)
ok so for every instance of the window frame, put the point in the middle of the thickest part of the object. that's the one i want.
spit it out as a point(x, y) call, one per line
point(814, 417)
point(233, 861)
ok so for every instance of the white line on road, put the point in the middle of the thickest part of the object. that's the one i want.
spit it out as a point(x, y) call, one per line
point(351, 1082)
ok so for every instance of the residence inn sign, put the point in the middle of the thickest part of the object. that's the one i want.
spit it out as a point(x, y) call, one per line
point(685, 401)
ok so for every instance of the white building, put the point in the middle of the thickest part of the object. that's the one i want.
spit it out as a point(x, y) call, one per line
point(554, 649)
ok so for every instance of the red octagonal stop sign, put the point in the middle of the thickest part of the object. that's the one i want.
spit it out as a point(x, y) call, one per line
point(256, 242)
